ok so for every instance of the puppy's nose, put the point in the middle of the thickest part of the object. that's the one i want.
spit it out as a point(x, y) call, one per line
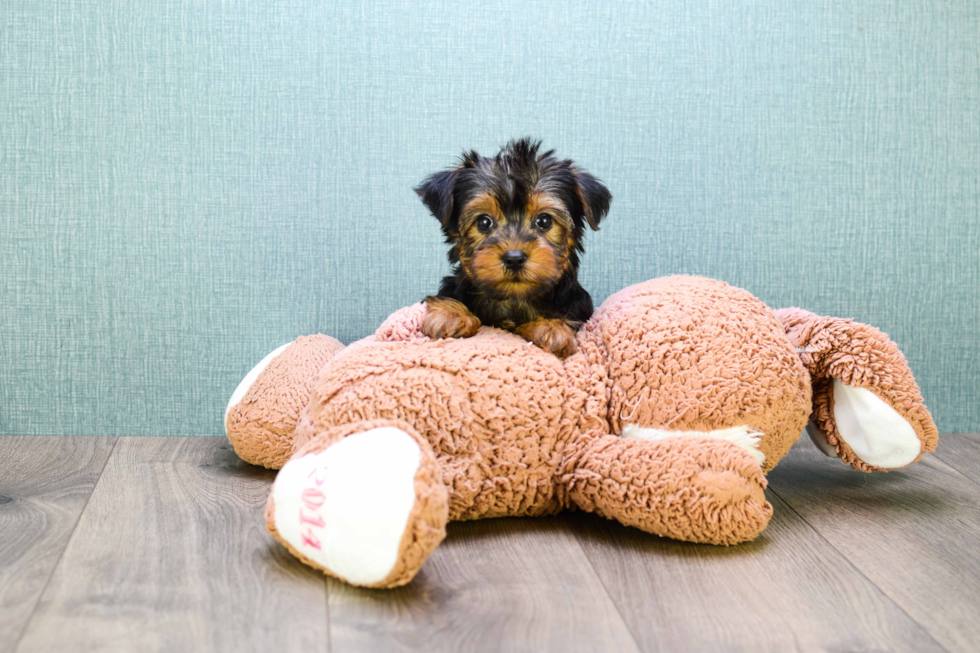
point(514, 259)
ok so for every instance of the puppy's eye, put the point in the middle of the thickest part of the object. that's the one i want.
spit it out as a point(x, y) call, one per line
point(484, 224)
point(543, 222)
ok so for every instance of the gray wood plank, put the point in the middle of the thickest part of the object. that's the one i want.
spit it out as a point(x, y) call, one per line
point(915, 533)
point(44, 484)
point(786, 591)
point(961, 451)
point(493, 585)
point(171, 553)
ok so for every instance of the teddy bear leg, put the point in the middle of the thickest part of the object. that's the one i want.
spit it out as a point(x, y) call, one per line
point(689, 488)
point(363, 502)
point(867, 408)
point(263, 412)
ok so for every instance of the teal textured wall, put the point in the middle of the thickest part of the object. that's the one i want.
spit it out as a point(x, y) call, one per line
point(185, 186)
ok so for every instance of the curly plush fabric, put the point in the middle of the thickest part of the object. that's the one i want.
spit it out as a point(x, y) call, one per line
point(262, 426)
point(493, 407)
point(404, 325)
point(860, 356)
point(502, 415)
point(688, 353)
point(681, 363)
point(692, 489)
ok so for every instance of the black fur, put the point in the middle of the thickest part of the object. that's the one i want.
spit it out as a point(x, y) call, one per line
point(568, 301)
point(510, 176)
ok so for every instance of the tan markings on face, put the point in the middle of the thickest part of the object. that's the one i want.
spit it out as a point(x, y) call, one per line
point(470, 237)
point(547, 251)
point(542, 268)
point(481, 204)
point(541, 202)
point(559, 235)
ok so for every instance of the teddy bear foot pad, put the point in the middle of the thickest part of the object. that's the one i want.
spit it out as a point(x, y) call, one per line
point(346, 508)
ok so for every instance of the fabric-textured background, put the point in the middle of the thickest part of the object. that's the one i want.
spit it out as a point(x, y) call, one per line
point(186, 185)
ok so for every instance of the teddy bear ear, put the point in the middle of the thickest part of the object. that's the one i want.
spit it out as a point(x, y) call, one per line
point(595, 197)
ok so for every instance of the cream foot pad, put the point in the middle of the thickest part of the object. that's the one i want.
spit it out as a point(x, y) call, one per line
point(346, 508)
point(873, 430)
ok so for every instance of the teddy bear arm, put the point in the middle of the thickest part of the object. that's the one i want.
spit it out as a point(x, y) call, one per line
point(867, 408)
point(686, 488)
point(404, 325)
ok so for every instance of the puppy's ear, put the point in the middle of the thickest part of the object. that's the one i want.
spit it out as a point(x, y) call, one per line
point(595, 197)
point(436, 193)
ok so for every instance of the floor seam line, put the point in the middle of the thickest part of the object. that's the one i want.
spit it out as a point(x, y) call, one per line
point(860, 571)
point(956, 469)
point(54, 567)
point(605, 589)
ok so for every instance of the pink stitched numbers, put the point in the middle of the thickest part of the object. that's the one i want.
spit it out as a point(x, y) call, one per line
point(312, 499)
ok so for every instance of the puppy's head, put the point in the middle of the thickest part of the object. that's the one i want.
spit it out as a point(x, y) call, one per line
point(515, 221)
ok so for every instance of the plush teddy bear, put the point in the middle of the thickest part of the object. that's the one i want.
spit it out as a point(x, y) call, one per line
point(682, 393)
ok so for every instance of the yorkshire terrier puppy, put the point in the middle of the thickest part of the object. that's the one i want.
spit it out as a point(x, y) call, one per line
point(515, 224)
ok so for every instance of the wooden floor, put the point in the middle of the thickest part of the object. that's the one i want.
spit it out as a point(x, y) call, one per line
point(143, 544)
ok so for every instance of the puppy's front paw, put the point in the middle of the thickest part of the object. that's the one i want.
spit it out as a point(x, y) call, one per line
point(448, 318)
point(554, 336)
